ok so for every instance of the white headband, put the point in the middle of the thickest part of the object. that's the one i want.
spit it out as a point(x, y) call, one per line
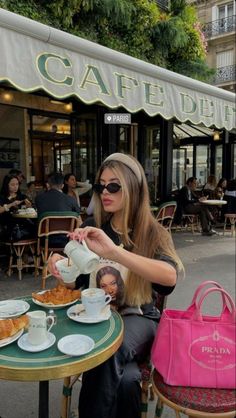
point(128, 161)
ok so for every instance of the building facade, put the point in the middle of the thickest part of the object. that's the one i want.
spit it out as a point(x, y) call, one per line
point(219, 26)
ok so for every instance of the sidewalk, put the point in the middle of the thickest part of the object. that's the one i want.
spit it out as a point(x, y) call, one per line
point(204, 258)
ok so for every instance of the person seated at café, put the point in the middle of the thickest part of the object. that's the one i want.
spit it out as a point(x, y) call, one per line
point(119, 232)
point(54, 200)
point(230, 196)
point(210, 186)
point(31, 191)
point(74, 188)
point(220, 188)
point(191, 203)
point(20, 175)
point(12, 199)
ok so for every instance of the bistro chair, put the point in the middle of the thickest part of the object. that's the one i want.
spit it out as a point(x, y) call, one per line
point(166, 213)
point(190, 221)
point(229, 223)
point(194, 402)
point(20, 251)
point(146, 384)
point(53, 224)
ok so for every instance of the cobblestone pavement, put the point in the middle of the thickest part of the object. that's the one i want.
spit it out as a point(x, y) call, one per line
point(204, 258)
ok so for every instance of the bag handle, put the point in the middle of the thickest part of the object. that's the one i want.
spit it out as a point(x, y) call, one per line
point(193, 305)
point(232, 316)
point(202, 285)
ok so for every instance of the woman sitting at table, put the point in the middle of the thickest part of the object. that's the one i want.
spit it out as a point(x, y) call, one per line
point(11, 199)
point(74, 188)
point(210, 186)
point(125, 233)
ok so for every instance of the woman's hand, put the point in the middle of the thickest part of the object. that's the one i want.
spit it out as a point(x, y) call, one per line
point(28, 204)
point(203, 198)
point(96, 240)
point(52, 266)
point(15, 203)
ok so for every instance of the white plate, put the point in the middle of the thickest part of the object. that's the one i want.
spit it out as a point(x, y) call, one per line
point(50, 305)
point(75, 345)
point(12, 308)
point(24, 344)
point(9, 340)
point(77, 313)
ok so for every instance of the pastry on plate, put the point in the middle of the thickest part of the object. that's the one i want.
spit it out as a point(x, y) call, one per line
point(59, 295)
point(9, 327)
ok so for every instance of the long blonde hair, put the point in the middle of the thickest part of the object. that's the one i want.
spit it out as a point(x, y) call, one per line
point(147, 238)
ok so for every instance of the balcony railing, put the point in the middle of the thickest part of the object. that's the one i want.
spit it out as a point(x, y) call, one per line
point(219, 27)
point(225, 74)
point(164, 4)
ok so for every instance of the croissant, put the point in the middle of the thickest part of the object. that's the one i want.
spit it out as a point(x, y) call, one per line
point(9, 327)
point(57, 296)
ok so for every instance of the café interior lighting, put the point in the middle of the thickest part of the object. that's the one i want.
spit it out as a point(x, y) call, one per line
point(7, 96)
point(216, 136)
point(57, 102)
point(68, 107)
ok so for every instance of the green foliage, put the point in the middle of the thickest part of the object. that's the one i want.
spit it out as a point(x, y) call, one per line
point(136, 27)
point(195, 69)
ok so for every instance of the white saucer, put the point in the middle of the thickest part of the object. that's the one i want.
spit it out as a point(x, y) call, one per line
point(24, 344)
point(77, 314)
point(12, 308)
point(75, 345)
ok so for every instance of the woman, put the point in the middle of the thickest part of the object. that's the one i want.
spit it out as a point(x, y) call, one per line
point(125, 232)
point(220, 188)
point(210, 186)
point(74, 188)
point(11, 199)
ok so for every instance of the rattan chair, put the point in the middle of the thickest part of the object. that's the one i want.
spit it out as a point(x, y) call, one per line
point(21, 251)
point(53, 224)
point(166, 213)
point(229, 223)
point(194, 402)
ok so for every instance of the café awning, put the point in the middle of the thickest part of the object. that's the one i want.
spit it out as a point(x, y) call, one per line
point(36, 57)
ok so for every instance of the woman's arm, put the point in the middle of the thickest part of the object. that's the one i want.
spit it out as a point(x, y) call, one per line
point(83, 187)
point(155, 271)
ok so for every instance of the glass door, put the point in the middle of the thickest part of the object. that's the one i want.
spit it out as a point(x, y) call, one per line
point(50, 146)
point(202, 164)
point(127, 139)
point(179, 168)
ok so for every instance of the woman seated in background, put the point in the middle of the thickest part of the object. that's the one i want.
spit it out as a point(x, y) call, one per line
point(210, 186)
point(31, 191)
point(220, 188)
point(75, 188)
point(12, 199)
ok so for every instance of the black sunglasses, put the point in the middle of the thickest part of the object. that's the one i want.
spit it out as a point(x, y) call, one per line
point(111, 187)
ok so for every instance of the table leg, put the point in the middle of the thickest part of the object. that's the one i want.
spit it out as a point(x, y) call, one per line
point(65, 397)
point(43, 399)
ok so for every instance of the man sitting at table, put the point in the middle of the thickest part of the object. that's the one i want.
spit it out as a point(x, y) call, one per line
point(54, 200)
point(191, 204)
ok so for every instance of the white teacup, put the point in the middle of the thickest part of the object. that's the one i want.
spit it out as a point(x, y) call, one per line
point(81, 256)
point(38, 327)
point(94, 300)
point(67, 272)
